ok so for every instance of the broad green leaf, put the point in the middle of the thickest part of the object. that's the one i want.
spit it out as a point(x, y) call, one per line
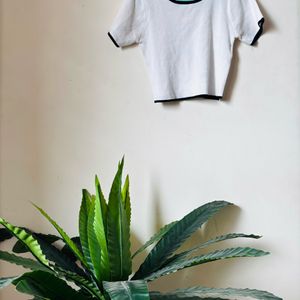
point(218, 239)
point(6, 281)
point(205, 258)
point(42, 284)
point(214, 293)
point(28, 240)
point(26, 263)
point(126, 199)
point(83, 227)
point(127, 290)
point(94, 246)
point(19, 247)
point(99, 224)
point(64, 236)
point(155, 238)
point(176, 236)
point(118, 232)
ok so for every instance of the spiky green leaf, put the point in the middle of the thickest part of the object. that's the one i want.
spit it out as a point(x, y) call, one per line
point(205, 258)
point(67, 250)
point(28, 240)
point(94, 246)
point(214, 293)
point(83, 227)
point(176, 236)
point(99, 224)
point(155, 238)
point(189, 252)
point(19, 247)
point(26, 263)
point(64, 236)
point(127, 290)
point(126, 199)
point(118, 232)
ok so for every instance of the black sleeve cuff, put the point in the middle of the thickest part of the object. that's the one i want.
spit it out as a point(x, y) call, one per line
point(260, 31)
point(113, 40)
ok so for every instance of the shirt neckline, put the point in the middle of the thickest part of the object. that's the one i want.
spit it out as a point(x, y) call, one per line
point(185, 2)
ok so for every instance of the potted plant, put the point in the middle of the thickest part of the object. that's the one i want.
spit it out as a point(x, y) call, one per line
point(98, 263)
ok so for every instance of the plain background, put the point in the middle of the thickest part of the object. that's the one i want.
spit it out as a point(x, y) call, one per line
point(72, 104)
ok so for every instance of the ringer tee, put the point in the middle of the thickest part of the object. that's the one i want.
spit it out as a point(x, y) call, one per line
point(187, 44)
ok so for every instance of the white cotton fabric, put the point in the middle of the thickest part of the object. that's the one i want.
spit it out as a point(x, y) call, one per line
point(187, 47)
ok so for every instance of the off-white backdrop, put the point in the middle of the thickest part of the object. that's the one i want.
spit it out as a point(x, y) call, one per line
point(72, 104)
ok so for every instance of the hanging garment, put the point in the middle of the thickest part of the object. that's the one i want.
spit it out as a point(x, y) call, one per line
point(187, 45)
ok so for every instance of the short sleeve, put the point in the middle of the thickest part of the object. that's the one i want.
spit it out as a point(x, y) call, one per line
point(127, 28)
point(246, 19)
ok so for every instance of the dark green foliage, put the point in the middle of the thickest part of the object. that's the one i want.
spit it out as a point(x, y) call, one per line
point(98, 262)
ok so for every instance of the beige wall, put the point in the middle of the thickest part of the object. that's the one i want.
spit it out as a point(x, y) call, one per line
point(72, 105)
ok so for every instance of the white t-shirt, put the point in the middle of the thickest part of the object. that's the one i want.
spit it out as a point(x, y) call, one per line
point(187, 44)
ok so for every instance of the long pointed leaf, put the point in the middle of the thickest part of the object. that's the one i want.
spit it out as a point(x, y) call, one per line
point(126, 199)
point(19, 247)
point(205, 258)
point(127, 290)
point(64, 236)
point(67, 250)
point(100, 230)
point(83, 227)
point(118, 232)
point(228, 293)
point(28, 240)
point(176, 236)
point(230, 236)
point(21, 261)
point(155, 238)
point(94, 246)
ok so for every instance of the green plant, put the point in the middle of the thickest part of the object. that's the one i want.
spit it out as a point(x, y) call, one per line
point(98, 262)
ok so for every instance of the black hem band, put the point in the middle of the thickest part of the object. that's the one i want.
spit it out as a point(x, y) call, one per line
point(113, 40)
point(260, 31)
point(185, 2)
point(204, 96)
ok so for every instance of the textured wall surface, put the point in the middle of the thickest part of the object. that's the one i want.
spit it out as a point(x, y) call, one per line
point(72, 104)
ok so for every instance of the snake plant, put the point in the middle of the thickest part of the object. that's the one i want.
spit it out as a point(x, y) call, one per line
point(97, 264)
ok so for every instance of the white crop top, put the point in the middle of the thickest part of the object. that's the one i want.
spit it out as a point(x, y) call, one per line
point(187, 44)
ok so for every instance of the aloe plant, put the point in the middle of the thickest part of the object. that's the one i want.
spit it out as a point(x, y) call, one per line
point(97, 264)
